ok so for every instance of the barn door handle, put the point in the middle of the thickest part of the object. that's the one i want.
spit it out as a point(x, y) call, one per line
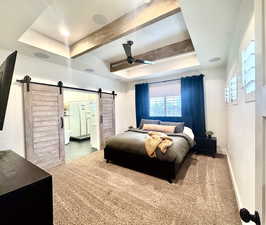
point(247, 217)
point(62, 122)
point(101, 119)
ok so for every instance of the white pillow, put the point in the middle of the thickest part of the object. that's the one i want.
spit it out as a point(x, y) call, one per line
point(188, 132)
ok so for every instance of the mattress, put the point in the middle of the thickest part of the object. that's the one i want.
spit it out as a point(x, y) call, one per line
point(132, 141)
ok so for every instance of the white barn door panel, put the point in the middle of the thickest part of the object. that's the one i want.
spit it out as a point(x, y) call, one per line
point(107, 117)
point(44, 125)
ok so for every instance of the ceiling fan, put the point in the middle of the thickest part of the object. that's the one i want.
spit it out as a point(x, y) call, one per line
point(130, 58)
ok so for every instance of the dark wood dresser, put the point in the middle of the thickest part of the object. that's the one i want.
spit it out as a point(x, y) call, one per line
point(25, 192)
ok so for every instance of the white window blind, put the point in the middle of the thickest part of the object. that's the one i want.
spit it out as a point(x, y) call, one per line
point(249, 68)
point(227, 94)
point(233, 89)
point(165, 99)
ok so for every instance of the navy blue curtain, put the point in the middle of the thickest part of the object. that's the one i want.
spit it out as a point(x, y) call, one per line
point(193, 106)
point(142, 102)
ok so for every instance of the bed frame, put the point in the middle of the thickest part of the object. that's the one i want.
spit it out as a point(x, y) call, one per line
point(152, 166)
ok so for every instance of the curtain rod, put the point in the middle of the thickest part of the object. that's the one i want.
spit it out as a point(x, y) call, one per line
point(66, 87)
point(155, 82)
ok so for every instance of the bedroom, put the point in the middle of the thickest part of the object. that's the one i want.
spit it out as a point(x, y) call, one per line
point(79, 44)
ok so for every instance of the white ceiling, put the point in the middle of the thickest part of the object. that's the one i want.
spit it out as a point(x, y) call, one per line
point(162, 33)
point(167, 31)
point(210, 25)
point(80, 17)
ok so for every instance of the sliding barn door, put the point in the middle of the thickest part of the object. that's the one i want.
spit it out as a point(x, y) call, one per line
point(107, 117)
point(44, 125)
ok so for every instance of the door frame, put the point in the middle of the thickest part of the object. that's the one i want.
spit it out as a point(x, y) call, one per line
point(260, 128)
point(97, 113)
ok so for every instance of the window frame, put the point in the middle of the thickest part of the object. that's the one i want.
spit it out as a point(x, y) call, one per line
point(249, 97)
point(165, 105)
point(227, 94)
point(233, 90)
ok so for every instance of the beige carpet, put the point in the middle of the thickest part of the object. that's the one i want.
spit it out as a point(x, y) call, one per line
point(88, 191)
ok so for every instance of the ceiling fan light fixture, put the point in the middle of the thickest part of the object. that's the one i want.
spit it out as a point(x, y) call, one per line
point(130, 59)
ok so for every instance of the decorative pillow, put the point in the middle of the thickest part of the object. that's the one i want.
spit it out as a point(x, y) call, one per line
point(145, 121)
point(161, 128)
point(179, 126)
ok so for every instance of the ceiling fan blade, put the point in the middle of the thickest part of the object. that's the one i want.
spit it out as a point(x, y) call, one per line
point(143, 61)
point(127, 49)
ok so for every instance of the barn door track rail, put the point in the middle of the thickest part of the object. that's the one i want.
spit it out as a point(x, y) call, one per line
point(27, 80)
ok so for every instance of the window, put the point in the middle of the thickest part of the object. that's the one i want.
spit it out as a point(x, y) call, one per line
point(227, 95)
point(165, 99)
point(233, 89)
point(248, 68)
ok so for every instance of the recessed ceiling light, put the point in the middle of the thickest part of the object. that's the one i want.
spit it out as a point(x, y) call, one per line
point(41, 55)
point(64, 32)
point(89, 70)
point(100, 19)
point(215, 59)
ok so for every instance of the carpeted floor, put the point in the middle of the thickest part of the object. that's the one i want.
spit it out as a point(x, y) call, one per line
point(89, 191)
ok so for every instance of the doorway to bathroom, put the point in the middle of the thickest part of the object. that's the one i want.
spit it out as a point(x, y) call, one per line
point(81, 123)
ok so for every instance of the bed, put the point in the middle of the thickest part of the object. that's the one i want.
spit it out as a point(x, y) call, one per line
point(128, 149)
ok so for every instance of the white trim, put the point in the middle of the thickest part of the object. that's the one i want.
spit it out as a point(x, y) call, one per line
point(221, 150)
point(260, 10)
point(236, 189)
point(239, 203)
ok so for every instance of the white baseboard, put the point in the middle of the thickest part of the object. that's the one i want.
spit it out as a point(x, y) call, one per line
point(239, 203)
point(221, 150)
point(238, 199)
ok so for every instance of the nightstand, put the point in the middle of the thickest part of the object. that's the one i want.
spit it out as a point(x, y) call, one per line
point(205, 145)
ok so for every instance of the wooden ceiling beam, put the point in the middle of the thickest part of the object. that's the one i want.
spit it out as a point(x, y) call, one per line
point(141, 17)
point(171, 50)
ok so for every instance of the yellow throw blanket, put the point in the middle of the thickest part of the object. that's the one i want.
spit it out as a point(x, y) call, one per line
point(157, 139)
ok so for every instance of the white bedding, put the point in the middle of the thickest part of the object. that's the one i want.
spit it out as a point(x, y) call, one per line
point(188, 132)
